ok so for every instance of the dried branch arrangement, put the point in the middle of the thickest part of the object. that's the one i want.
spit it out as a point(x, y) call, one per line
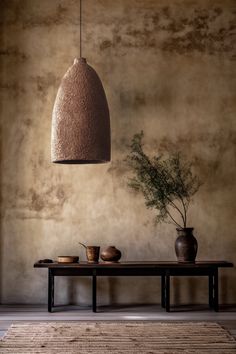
point(167, 182)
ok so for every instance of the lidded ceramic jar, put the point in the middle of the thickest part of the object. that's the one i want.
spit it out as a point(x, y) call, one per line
point(111, 254)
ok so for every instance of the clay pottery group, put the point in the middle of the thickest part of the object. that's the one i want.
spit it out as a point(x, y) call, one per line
point(111, 254)
point(186, 245)
point(92, 253)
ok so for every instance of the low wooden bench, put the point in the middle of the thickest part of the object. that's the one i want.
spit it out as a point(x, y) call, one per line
point(163, 269)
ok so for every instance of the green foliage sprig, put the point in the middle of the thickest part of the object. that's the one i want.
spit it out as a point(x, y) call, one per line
point(167, 184)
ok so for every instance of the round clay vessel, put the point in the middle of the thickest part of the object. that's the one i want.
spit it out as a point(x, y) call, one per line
point(186, 245)
point(111, 254)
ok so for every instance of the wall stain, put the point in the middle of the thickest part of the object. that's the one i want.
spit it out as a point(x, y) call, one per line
point(118, 168)
point(207, 167)
point(210, 166)
point(201, 30)
point(27, 122)
point(59, 18)
point(105, 44)
point(218, 142)
point(43, 202)
point(135, 99)
point(130, 99)
point(14, 52)
point(37, 202)
point(15, 15)
point(14, 88)
point(52, 198)
point(43, 83)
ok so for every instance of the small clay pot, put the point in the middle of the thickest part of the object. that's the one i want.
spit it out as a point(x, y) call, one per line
point(92, 253)
point(111, 254)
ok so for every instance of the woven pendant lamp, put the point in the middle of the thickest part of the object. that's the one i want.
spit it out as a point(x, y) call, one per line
point(80, 120)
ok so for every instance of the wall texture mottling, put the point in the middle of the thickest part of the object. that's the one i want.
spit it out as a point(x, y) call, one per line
point(169, 68)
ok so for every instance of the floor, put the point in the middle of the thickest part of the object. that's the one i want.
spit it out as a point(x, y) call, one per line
point(14, 313)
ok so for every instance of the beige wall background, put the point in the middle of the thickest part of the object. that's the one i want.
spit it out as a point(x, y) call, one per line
point(168, 67)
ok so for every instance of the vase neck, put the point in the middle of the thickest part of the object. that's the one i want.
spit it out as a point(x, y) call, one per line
point(185, 228)
point(185, 231)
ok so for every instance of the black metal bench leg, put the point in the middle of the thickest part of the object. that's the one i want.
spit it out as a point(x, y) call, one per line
point(50, 290)
point(94, 292)
point(167, 292)
point(163, 286)
point(211, 291)
point(215, 287)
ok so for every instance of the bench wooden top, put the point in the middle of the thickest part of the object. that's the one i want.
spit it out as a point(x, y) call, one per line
point(137, 264)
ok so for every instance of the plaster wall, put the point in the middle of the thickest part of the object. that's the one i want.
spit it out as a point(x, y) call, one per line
point(168, 68)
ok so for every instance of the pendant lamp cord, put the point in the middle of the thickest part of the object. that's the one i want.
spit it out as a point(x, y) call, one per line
point(80, 32)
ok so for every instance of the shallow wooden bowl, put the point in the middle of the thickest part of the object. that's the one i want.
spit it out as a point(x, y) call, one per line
point(67, 259)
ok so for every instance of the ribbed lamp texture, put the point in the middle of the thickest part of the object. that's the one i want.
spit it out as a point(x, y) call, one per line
point(80, 120)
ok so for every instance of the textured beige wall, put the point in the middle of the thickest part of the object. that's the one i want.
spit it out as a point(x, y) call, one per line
point(168, 67)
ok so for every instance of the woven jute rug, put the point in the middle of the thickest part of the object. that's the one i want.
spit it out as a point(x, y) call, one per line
point(117, 338)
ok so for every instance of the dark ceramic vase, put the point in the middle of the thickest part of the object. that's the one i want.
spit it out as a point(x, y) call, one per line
point(111, 254)
point(186, 245)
